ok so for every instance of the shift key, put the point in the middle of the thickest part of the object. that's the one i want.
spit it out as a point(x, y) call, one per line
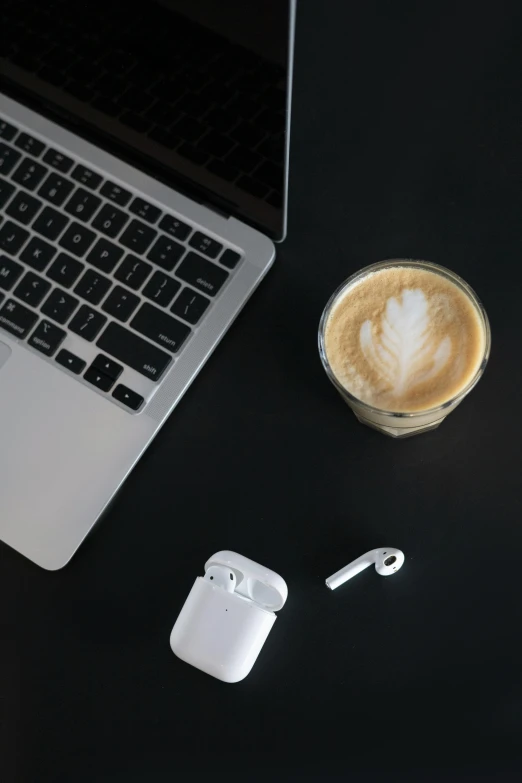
point(130, 349)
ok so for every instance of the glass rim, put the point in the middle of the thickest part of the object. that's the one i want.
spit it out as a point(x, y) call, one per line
point(414, 264)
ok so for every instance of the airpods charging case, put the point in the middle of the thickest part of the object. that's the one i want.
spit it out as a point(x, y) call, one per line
point(222, 633)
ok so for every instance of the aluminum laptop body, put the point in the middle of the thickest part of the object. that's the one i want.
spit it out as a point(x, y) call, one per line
point(137, 220)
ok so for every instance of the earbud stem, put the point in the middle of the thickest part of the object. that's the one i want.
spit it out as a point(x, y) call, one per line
point(349, 571)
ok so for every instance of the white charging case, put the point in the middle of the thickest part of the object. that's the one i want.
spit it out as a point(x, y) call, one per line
point(222, 633)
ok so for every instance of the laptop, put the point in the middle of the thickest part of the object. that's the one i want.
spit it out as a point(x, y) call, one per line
point(143, 183)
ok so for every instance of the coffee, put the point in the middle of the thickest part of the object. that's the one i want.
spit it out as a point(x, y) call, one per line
point(404, 338)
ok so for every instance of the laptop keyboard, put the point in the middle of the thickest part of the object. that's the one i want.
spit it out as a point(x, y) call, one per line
point(82, 255)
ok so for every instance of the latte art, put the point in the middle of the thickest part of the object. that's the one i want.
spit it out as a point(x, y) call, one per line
point(404, 339)
point(405, 352)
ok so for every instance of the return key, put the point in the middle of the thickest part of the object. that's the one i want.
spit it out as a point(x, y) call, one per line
point(160, 327)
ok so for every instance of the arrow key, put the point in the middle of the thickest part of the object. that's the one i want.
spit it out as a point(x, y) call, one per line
point(99, 379)
point(107, 366)
point(127, 397)
point(70, 361)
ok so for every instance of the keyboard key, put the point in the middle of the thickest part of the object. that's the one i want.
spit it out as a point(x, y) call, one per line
point(120, 303)
point(55, 189)
point(70, 361)
point(17, 319)
point(58, 160)
point(110, 220)
point(105, 255)
point(47, 338)
point(65, 270)
point(166, 253)
point(138, 236)
point(132, 350)
point(12, 237)
point(23, 207)
point(86, 177)
point(10, 271)
point(145, 210)
point(190, 306)
point(116, 194)
point(29, 144)
point(87, 323)
point(230, 259)
point(99, 379)
point(7, 131)
point(108, 366)
point(176, 228)
point(8, 158)
point(77, 239)
point(161, 289)
point(205, 245)
point(92, 286)
point(50, 223)
point(82, 204)
point(201, 274)
point(59, 306)
point(37, 254)
point(133, 272)
point(29, 174)
point(128, 397)
point(160, 327)
point(6, 191)
point(32, 289)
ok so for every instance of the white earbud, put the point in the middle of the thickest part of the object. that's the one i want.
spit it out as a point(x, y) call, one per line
point(386, 560)
point(221, 576)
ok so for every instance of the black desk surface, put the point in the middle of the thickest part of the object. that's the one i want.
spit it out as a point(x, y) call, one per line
point(406, 142)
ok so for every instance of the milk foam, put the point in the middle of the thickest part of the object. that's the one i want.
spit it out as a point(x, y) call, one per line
point(406, 351)
point(404, 339)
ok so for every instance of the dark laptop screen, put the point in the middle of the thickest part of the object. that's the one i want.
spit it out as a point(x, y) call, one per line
point(194, 91)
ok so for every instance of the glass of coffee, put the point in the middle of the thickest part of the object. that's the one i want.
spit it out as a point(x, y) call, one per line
point(404, 342)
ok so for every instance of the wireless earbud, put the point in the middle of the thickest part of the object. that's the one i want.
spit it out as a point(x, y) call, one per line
point(221, 576)
point(386, 560)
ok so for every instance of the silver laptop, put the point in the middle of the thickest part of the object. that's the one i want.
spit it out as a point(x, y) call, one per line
point(143, 182)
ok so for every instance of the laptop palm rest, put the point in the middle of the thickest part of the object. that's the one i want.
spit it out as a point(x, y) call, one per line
point(54, 456)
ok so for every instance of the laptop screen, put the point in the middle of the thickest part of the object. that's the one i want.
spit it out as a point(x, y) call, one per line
point(193, 91)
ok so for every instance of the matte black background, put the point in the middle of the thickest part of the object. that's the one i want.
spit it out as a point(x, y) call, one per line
point(406, 142)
